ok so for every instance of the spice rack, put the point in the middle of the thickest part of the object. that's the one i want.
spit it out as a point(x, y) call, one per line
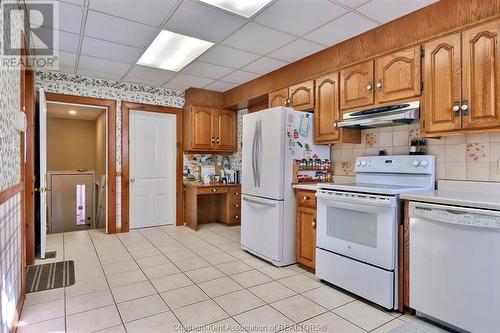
point(311, 171)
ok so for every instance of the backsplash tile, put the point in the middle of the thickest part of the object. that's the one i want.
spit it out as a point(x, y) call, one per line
point(460, 157)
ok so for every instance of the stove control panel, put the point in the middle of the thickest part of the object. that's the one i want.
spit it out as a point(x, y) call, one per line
point(409, 164)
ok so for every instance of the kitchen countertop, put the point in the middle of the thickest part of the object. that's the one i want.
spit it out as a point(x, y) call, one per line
point(457, 197)
point(200, 184)
point(306, 186)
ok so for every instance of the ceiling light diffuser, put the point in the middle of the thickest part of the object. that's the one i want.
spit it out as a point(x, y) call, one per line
point(172, 51)
point(241, 7)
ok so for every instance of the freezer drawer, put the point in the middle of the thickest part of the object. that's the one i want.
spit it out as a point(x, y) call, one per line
point(262, 227)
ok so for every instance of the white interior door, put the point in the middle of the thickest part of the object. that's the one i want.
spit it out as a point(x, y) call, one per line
point(43, 172)
point(152, 169)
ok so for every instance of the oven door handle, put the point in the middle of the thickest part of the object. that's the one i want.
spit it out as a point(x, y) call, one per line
point(363, 199)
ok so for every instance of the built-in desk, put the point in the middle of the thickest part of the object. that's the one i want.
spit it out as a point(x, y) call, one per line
point(206, 203)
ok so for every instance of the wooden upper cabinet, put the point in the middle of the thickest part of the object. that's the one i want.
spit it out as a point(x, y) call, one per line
point(278, 98)
point(225, 129)
point(356, 86)
point(397, 75)
point(327, 110)
point(481, 76)
point(302, 96)
point(442, 89)
point(208, 129)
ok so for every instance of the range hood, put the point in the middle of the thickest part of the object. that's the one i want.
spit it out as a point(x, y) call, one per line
point(391, 115)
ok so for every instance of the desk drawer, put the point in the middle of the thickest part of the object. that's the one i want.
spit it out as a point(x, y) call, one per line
point(234, 217)
point(212, 190)
point(306, 198)
point(234, 192)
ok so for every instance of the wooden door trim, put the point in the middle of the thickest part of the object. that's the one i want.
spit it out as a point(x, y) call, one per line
point(125, 138)
point(111, 124)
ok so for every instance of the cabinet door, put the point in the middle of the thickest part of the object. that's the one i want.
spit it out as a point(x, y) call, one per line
point(356, 86)
point(202, 136)
point(306, 236)
point(278, 98)
point(442, 88)
point(225, 130)
point(302, 96)
point(327, 109)
point(397, 75)
point(481, 76)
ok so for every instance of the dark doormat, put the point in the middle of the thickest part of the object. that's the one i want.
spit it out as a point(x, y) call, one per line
point(50, 276)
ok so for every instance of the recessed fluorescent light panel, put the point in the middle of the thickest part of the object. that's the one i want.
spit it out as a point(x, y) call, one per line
point(173, 51)
point(241, 7)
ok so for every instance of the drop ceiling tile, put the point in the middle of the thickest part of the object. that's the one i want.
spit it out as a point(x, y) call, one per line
point(151, 74)
point(70, 18)
point(298, 16)
point(352, 3)
point(174, 86)
point(67, 41)
point(65, 69)
point(150, 12)
point(296, 50)
point(66, 59)
point(345, 27)
point(75, 2)
point(207, 70)
point(388, 10)
point(240, 77)
point(118, 30)
point(99, 75)
point(221, 86)
point(191, 81)
point(227, 56)
point(202, 21)
point(264, 65)
point(258, 39)
point(109, 50)
point(102, 65)
point(141, 81)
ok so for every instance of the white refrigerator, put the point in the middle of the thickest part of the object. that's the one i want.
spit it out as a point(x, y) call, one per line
point(272, 140)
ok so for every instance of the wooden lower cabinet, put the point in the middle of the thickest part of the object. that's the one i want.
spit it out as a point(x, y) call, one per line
point(306, 229)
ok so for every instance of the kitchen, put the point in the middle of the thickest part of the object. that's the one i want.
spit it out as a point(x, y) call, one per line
point(330, 163)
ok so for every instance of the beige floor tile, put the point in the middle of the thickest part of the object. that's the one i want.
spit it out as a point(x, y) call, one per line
point(114, 329)
point(239, 254)
point(152, 261)
point(164, 322)
point(199, 314)
point(192, 264)
point(180, 255)
point(255, 262)
point(228, 325)
point(277, 272)
point(233, 267)
point(115, 258)
point(124, 278)
point(250, 278)
point(48, 326)
point(88, 273)
point(272, 291)
point(238, 302)
point(93, 320)
point(363, 315)
point(330, 323)
point(132, 291)
point(86, 286)
point(298, 308)
point(219, 258)
point(328, 297)
point(141, 307)
point(143, 253)
point(263, 319)
point(297, 268)
point(300, 283)
point(42, 311)
point(44, 296)
point(389, 326)
point(89, 301)
point(204, 274)
point(160, 270)
point(171, 282)
point(219, 287)
point(139, 246)
point(119, 267)
point(184, 296)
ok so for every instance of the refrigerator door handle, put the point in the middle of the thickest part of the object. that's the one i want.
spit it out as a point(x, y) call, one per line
point(259, 202)
point(259, 144)
point(254, 155)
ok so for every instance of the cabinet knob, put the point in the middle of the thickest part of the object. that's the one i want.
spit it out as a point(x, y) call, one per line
point(369, 86)
point(314, 223)
point(214, 190)
point(379, 84)
point(305, 198)
point(218, 141)
point(213, 139)
point(236, 193)
point(236, 206)
point(236, 217)
point(456, 108)
point(464, 107)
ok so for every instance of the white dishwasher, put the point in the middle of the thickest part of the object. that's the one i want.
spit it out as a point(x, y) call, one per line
point(455, 265)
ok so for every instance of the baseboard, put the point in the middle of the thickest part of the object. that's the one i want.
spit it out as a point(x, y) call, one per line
point(19, 309)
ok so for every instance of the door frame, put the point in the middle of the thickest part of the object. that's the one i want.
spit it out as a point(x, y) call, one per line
point(111, 138)
point(125, 136)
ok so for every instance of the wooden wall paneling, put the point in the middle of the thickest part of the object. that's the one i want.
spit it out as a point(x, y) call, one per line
point(125, 139)
point(443, 84)
point(438, 19)
point(196, 96)
point(481, 76)
point(111, 123)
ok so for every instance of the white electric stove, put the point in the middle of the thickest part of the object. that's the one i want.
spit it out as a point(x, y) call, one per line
point(357, 224)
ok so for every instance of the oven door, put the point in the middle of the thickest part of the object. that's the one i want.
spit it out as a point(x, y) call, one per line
point(359, 226)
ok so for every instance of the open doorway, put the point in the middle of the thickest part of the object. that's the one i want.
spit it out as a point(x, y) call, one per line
point(76, 167)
